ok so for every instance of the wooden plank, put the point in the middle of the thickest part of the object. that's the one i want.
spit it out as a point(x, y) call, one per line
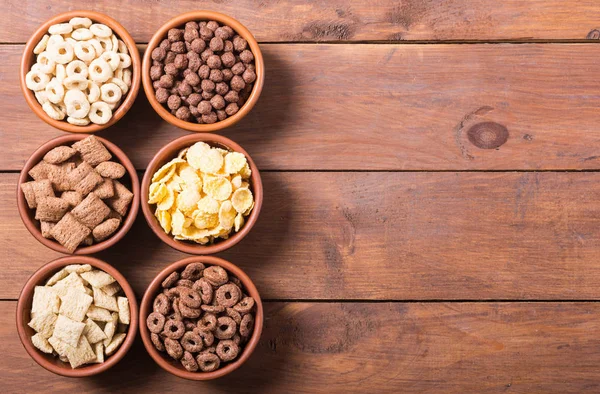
point(383, 236)
point(391, 347)
point(382, 107)
point(344, 20)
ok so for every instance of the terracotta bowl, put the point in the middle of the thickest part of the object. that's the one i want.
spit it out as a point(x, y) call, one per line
point(175, 367)
point(27, 214)
point(200, 16)
point(169, 152)
point(49, 362)
point(29, 58)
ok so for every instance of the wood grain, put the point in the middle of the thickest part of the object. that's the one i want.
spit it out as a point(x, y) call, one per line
point(391, 347)
point(383, 236)
point(381, 107)
point(343, 20)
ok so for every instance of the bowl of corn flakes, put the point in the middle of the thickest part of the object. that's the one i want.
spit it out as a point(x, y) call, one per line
point(201, 194)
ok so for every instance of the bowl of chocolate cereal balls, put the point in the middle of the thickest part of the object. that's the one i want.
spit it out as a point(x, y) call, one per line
point(203, 71)
point(80, 71)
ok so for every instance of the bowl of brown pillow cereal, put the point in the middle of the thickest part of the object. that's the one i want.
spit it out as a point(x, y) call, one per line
point(201, 318)
point(203, 71)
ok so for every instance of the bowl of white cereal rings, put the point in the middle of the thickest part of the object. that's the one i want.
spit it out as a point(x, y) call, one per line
point(80, 71)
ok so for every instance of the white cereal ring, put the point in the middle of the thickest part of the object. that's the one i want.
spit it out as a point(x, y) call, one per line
point(61, 72)
point(106, 43)
point(85, 51)
point(55, 91)
point(36, 80)
point(41, 46)
point(46, 62)
point(122, 47)
point(97, 47)
point(53, 111)
point(92, 92)
point(122, 85)
point(101, 30)
point(71, 41)
point(53, 40)
point(62, 108)
point(36, 67)
point(77, 104)
point(82, 34)
point(41, 96)
point(100, 112)
point(62, 52)
point(119, 72)
point(100, 71)
point(80, 22)
point(74, 95)
point(60, 28)
point(112, 106)
point(110, 93)
point(125, 60)
point(77, 67)
point(78, 121)
point(115, 43)
point(127, 77)
point(112, 58)
point(78, 109)
point(75, 82)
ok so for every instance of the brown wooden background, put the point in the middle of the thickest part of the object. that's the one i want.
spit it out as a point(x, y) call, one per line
point(393, 254)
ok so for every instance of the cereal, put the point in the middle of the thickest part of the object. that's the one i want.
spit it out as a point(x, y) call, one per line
point(209, 65)
point(195, 194)
point(59, 154)
point(199, 328)
point(89, 53)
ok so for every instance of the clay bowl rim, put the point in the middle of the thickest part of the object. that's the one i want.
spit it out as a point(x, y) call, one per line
point(146, 308)
point(169, 152)
point(27, 214)
point(28, 57)
point(49, 362)
point(240, 29)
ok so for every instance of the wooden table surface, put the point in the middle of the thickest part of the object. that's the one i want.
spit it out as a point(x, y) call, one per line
point(394, 253)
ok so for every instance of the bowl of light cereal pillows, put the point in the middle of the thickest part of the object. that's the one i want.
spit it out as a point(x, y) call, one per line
point(80, 71)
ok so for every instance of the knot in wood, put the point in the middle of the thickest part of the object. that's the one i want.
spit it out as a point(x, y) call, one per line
point(488, 135)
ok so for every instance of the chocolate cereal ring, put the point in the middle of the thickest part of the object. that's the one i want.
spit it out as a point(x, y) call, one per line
point(190, 298)
point(191, 342)
point(226, 327)
point(173, 348)
point(174, 329)
point(235, 315)
point(236, 339)
point(189, 362)
point(161, 304)
point(207, 337)
point(245, 305)
point(246, 325)
point(216, 275)
point(208, 362)
point(189, 325)
point(213, 308)
point(227, 350)
point(228, 295)
point(155, 322)
point(176, 310)
point(158, 344)
point(170, 280)
point(236, 281)
point(186, 311)
point(208, 322)
point(205, 290)
point(184, 283)
point(193, 271)
point(210, 349)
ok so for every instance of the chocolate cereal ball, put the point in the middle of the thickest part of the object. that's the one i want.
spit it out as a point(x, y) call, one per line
point(162, 95)
point(204, 107)
point(174, 101)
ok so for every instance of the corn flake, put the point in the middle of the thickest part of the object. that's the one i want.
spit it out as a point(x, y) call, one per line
point(242, 199)
point(157, 193)
point(234, 162)
point(218, 188)
point(227, 215)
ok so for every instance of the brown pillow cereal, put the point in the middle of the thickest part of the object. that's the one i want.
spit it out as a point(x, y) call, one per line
point(202, 72)
point(203, 194)
point(92, 201)
point(82, 72)
point(67, 320)
point(202, 336)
